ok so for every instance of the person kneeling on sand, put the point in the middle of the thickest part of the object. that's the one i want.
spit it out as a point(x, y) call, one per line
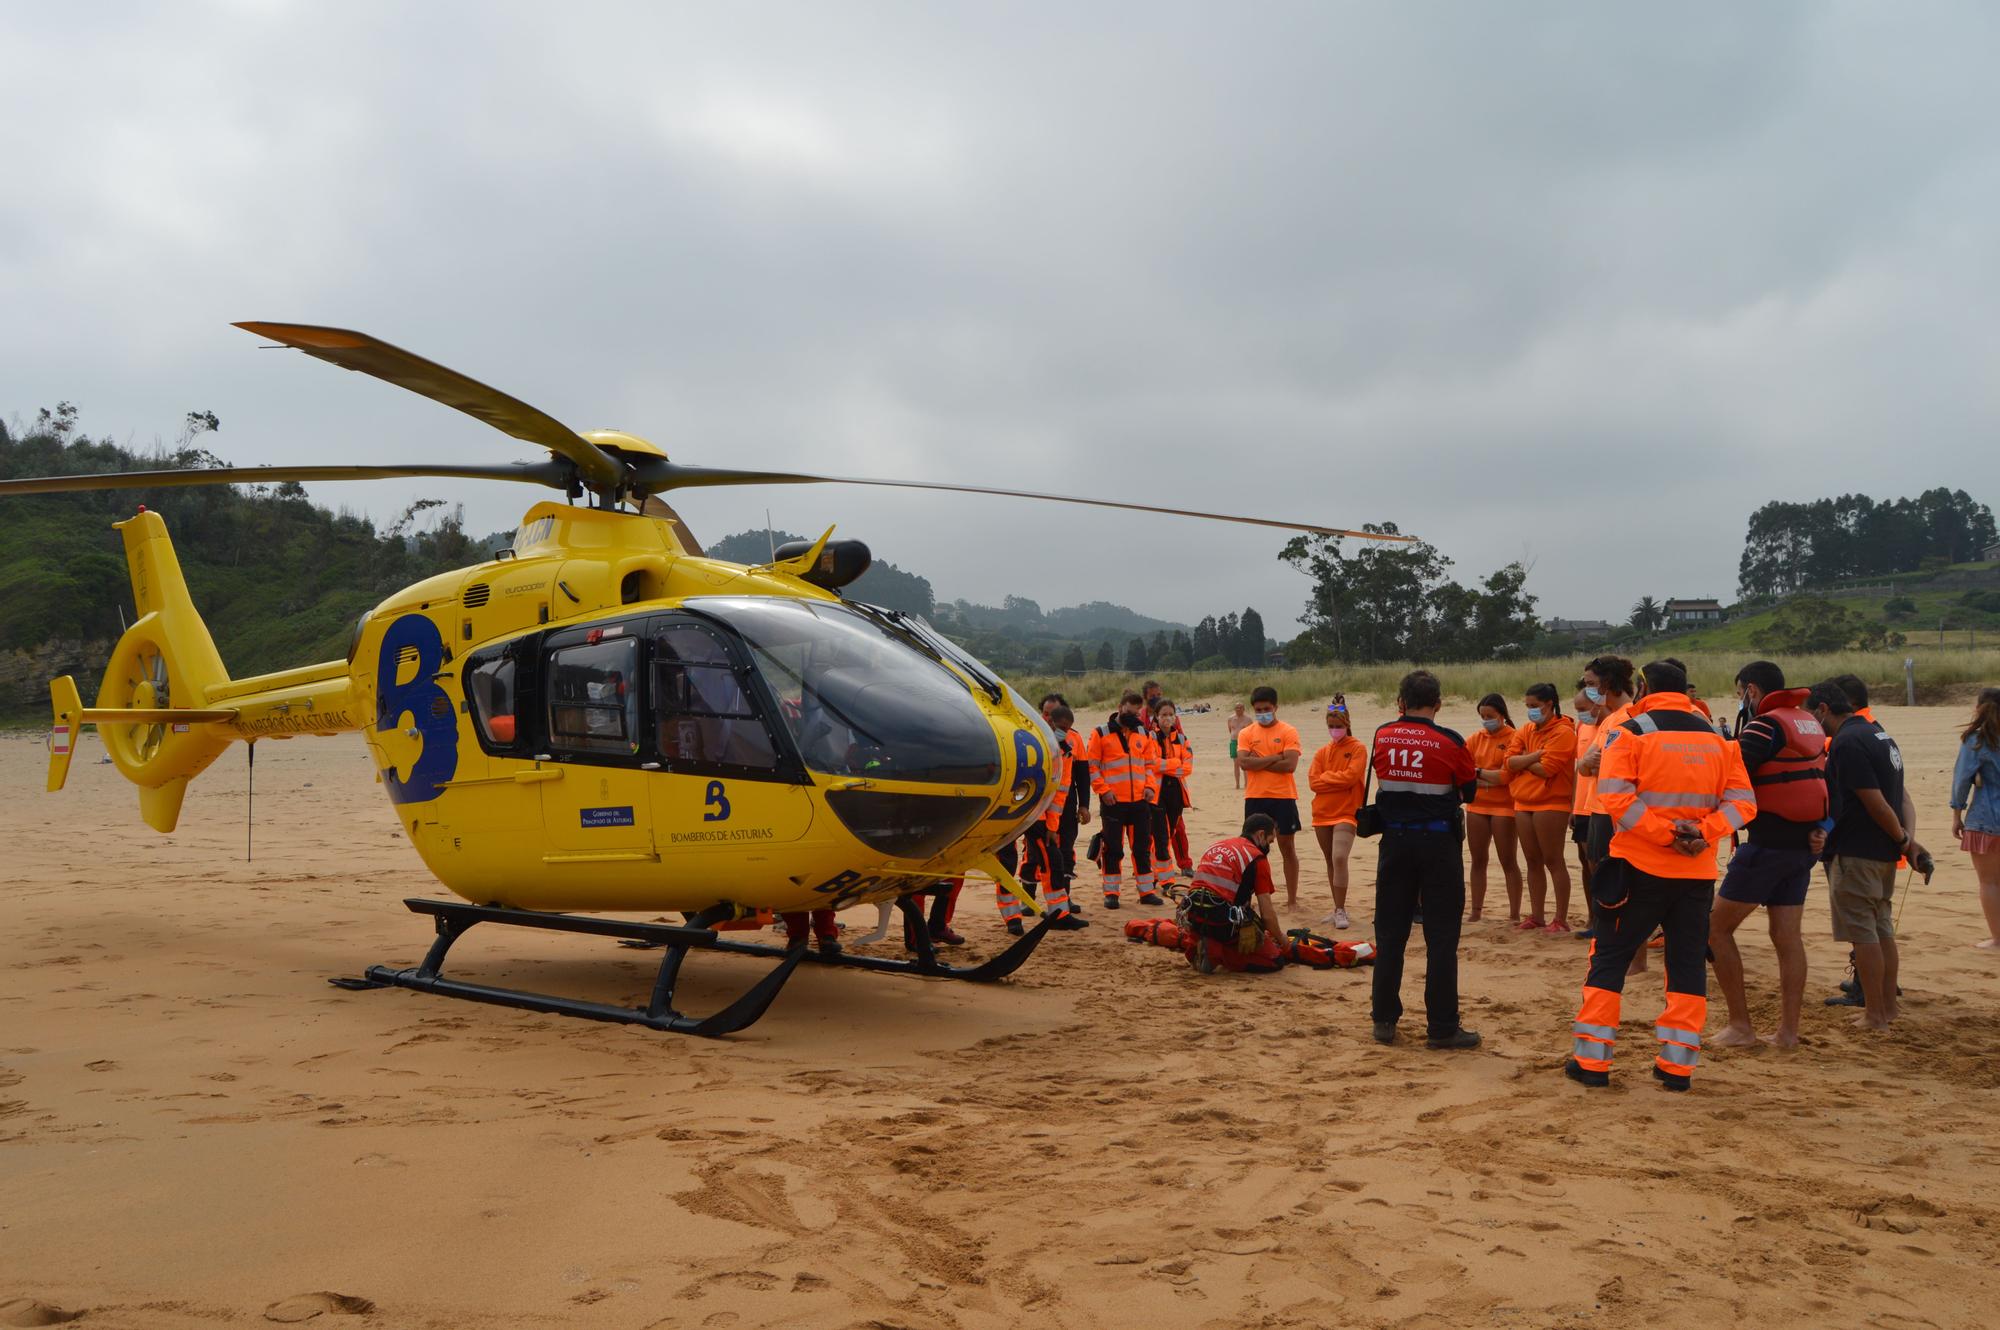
point(1227, 920)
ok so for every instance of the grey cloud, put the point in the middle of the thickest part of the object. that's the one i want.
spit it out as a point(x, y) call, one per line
point(1488, 271)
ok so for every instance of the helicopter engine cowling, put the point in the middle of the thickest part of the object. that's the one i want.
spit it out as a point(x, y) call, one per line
point(841, 562)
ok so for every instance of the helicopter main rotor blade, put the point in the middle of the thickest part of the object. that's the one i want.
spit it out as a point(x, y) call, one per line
point(659, 476)
point(554, 474)
point(511, 416)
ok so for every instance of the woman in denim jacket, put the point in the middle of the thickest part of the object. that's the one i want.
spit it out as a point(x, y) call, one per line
point(1975, 813)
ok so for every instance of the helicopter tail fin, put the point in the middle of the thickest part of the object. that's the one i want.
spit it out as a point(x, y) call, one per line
point(152, 708)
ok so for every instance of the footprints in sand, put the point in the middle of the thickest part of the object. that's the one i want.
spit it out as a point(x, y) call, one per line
point(311, 1306)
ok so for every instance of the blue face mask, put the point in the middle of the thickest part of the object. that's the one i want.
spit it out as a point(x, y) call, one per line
point(1267, 718)
point(1534, 715)
point(1594, 695)
point(1492, 724)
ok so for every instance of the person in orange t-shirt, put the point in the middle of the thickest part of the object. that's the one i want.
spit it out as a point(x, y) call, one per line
point(1268, 752)
point(1489, 818)
point(1338, 771)
point(1541, 767)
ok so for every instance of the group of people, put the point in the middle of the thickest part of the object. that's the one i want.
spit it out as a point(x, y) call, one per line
point(1647, 785)
point(1638, 775)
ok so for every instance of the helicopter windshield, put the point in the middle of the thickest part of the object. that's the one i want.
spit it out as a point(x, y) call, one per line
point(860, 700)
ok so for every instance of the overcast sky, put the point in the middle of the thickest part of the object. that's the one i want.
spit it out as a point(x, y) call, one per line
point(1577, 283)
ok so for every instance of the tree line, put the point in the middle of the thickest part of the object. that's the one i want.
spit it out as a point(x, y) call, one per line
point(1790, 547)
point(1396, 601)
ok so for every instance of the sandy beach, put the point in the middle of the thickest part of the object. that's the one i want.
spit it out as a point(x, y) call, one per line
point(195, 1128)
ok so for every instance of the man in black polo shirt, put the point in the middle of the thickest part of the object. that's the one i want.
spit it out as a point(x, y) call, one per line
point(1423, 774)
point(1865, 791)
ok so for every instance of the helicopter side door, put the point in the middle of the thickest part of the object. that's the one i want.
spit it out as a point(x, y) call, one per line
point(593, 709)
point(734, 781)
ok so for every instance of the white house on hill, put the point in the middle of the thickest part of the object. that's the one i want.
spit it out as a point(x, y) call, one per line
point(1690, 613)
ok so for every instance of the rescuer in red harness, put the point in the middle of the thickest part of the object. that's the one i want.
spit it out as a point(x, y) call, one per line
point(1229, 909)
point(1785, 751)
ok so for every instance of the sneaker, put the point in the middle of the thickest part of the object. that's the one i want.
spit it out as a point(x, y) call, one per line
point(1529, 926)
point(829, 946)
point(1582, 1075)
point(1149, 898)
point(1557, 926)
point(1340, 919)
point(1068, 922)
point(1584, 934)
point(1667, 1080)
point(1385, 1032)
point(1014, 927)
point(945, 937)
point(1457, 1039)
point(1110, 902)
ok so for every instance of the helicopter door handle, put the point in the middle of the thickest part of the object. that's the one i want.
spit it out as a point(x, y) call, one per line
point(649, 766)
point(538, 775)
point(855, 785)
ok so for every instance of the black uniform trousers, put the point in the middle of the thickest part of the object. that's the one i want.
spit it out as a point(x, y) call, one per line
point(1677, 905)
point(1419, 870)
point(1133, 818)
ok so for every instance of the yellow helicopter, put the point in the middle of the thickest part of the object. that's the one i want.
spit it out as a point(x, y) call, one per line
point(602, 719)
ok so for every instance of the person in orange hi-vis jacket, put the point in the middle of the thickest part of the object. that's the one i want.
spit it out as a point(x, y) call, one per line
point(1170, 843)
point(1335, 779)
point(1672, 787)
point(1042, 862)
point(1125, 776)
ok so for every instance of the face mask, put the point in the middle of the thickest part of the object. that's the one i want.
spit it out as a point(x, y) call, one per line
point(1492, 726)
point(1534, 715)
point(1335, 733)
point(1595, 696)
point(1127, 721)
point(1267, 718)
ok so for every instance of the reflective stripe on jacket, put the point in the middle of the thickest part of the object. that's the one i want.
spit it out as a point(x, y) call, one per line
point(1669, 764)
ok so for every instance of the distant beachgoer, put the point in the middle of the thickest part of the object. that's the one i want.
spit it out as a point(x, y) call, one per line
point(1237, 720)
point(1975, 805)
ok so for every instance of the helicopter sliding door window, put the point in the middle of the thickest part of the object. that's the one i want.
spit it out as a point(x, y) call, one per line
point(593, 693)
point(492, 695)
point(706, 716)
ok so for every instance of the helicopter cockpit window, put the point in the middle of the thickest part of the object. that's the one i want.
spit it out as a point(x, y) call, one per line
point(490, 687)
point(593, 693)
point(704, 716)
point(858, 700)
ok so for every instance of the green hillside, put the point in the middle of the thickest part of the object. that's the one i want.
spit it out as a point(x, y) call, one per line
point(1964, 598)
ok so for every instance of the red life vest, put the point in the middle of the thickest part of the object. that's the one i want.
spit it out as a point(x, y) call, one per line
point(1792, 784)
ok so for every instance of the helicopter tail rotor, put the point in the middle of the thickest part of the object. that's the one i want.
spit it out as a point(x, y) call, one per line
point(152, 711)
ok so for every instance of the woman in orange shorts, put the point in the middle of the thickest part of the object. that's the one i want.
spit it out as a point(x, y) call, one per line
point(1335, 778)
point(1489, 818)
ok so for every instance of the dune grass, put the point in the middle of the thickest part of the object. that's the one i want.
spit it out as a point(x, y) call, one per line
point(1714, 673)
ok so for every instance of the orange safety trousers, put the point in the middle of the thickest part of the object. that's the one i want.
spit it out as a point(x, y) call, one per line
point(1678, 907)
point(1039, 874)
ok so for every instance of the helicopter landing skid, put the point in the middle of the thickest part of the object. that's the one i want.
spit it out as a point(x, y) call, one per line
point(454, 919)
point(925, 964)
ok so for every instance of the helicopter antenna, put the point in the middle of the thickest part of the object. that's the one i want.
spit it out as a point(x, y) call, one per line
point(768, 535)
point(249, 795)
